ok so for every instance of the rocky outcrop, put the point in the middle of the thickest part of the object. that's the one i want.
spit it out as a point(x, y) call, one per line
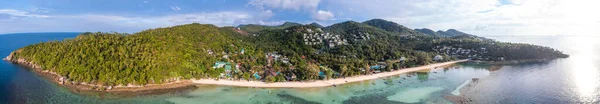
point(9, 57)
point(83, 86)
point(25, 63)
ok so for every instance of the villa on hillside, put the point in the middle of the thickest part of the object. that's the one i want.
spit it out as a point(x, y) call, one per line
point(473, 53)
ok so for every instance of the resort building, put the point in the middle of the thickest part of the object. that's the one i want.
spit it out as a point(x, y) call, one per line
point(438, 58)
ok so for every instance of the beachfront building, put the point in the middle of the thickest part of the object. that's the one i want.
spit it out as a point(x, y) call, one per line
point(225, 65)
point(256, 76)
point(290, 76)
point(438, 58)
point(402, 59)
point(322, 75)
point(377, 68)
point(228, 68)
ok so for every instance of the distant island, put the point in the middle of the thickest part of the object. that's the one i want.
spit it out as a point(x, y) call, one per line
point(182, 55)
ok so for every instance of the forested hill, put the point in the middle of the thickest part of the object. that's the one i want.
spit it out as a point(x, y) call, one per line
point(391, 27)
point(253, 28)
point(151, 56)
point(289, 52)
point(448, 33)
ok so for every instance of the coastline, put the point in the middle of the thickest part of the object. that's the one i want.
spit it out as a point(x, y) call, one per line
point(510, 62)
point(84, 88)
point(192, 83)
point(321, 83)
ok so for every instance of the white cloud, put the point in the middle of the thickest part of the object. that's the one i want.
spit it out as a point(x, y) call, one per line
point(175, 8)
point(20, 14)
point(323, 15)
point(41, 10)
point(307, 6)
point(484, 17)
point(310, 5)
point(266, 14)
point(270, 23)
point(98, 22)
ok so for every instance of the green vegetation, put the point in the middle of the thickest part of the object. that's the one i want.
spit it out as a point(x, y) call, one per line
point(275, 54)
point(253, 28)
point(391, 27)
point(151, 56)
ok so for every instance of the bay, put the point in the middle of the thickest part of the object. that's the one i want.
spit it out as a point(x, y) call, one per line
point(572, 80)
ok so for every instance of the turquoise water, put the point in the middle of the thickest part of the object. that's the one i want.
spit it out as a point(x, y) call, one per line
point(19, 85)
point(572, 80)
point(427, 86)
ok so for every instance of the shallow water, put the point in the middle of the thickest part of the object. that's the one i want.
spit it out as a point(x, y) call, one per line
point(421, 86)
point(571, 80)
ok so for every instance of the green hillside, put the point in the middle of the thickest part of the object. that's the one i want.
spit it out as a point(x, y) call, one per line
point(254, 28)
point(289, 52)
point(151, 56)
point(391, 27)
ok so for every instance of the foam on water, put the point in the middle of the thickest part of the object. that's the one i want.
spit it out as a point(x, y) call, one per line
point(457, 90)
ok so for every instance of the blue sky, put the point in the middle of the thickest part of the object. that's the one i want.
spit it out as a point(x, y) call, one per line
point(480, 17)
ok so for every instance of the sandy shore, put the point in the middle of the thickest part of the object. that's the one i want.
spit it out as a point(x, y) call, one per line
point(187, 84)
point(320, 83)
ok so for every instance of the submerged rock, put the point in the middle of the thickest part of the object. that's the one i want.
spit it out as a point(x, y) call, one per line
point(475, 79)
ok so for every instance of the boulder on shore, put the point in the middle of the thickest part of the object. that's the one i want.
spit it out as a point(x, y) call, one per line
point(61, 80)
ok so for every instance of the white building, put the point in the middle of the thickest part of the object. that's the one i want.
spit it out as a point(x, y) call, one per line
point(438, 58)
point(402, 59)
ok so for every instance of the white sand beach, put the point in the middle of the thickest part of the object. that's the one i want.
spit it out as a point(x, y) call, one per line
point(320, 83)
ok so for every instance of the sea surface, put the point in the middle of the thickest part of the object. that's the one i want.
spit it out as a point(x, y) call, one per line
point(571, 80)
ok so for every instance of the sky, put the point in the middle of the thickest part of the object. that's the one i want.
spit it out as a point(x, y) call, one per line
point(478, 17)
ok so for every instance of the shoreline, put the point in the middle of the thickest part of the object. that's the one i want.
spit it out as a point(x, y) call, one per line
point(192, 83)
point(510, 62)
point(320, 83)
point(95, 89)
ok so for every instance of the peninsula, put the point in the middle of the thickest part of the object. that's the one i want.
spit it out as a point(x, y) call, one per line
point(288, 55)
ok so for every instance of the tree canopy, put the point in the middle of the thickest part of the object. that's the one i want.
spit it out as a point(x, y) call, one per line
point(276, 53)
